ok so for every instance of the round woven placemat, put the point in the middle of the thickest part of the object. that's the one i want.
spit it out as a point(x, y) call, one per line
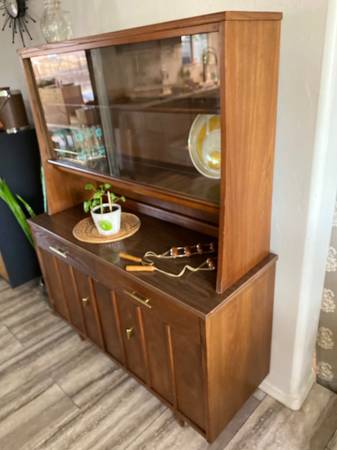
point(86, 231)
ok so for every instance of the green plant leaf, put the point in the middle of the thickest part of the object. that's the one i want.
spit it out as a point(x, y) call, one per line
point(7, 196)
point(107, 186)
point(86, 206)
point(89, 187)
point(29, 209)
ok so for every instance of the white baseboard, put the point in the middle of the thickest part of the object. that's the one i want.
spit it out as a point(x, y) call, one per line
point(292, 401)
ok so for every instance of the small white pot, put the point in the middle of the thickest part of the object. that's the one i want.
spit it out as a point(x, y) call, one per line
point(107, 223)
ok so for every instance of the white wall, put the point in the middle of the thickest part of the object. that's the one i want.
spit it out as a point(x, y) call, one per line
point(303, 32)
point(11, 73)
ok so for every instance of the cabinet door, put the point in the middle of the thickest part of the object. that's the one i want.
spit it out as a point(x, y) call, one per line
point(53, 282)
point(109, 315)
point(70, 294)
point(87, 297)
point(158, 335)
point(133, 335)
point(175, 365)
point(188, 370)
point(169, 350)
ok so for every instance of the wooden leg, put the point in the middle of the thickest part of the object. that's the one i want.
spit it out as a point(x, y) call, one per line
point(81, 337)
point(180, 420)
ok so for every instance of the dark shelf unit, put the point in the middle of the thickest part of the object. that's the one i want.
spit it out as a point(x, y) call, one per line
point(20, 167)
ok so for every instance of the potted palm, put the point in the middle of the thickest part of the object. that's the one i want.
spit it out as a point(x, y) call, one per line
point(104, 208)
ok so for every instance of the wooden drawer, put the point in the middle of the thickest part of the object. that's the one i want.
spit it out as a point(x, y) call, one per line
point(62, 249)
point(163, 308)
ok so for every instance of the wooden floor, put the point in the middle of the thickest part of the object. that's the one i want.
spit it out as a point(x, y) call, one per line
point(58, 392)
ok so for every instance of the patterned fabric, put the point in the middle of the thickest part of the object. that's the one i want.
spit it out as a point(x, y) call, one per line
point(326, 349)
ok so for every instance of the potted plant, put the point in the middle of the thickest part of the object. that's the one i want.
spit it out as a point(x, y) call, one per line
point(12, 202)
point(104, 208)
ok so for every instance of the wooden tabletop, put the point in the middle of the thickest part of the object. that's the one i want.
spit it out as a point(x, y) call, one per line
point(195, 290)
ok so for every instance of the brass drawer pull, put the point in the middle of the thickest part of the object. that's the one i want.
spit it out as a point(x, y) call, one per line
point(59, 252)
point(85, 300)
point(129, 333)
point(143, 301)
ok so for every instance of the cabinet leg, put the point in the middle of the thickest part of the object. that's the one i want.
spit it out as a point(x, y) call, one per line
point(180, 420)
point(81, 337)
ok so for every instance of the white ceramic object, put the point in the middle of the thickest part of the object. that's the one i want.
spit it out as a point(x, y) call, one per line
point(107, 223)
point(204, 145)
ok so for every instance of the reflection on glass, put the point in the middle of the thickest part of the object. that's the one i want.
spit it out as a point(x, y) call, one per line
point(68, 101)
point(145, 112)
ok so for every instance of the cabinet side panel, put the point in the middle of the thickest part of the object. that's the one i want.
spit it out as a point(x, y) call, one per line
point(248, 105)
point(238, 340)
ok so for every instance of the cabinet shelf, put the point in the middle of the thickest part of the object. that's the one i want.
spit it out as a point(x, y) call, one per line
point(152, 178)
point(202, 101)
point(136, 191)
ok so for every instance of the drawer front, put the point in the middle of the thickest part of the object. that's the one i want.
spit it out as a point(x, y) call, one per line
point(63, 250)
point(164, 309)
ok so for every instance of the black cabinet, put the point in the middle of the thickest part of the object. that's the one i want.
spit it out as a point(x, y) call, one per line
point(20, 167)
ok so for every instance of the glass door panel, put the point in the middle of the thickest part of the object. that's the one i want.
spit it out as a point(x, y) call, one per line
point(69, 104)
point(146, 112)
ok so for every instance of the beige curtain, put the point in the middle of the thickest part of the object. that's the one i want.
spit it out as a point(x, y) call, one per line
point(326, 348)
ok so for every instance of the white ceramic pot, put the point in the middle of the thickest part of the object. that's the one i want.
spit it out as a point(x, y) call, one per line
point(109, 222)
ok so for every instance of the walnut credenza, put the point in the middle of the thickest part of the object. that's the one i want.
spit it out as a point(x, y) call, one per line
point(151, 102)
point(201, 353)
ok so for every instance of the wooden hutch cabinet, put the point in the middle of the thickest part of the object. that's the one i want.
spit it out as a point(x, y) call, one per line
point(180, 118)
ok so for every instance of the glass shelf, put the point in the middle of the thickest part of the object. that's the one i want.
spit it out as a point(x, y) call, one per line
point(146, 113)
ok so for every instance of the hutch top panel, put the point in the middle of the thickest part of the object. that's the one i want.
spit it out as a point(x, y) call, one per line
point(178, 116)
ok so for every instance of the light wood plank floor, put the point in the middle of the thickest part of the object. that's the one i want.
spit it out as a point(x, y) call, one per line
point(58, 392)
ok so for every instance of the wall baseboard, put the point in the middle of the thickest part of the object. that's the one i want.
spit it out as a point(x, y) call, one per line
point(292, 401)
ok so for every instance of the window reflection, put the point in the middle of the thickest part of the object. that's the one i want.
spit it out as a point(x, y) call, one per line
point(147, 112)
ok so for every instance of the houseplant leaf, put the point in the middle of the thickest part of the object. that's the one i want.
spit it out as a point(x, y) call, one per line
point(7, 196)
point(28, 207)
